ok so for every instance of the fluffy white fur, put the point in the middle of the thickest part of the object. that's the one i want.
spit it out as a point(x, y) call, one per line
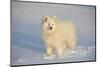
point(58, 36)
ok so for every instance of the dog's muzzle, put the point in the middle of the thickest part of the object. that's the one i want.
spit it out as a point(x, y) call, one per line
point(50, 28)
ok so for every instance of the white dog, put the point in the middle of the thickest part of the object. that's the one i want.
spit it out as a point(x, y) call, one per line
point(58, 36)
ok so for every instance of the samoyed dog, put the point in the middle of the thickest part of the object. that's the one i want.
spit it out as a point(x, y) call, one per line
point(58, 36)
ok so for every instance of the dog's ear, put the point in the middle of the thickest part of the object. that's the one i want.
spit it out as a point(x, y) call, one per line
point(45, 18)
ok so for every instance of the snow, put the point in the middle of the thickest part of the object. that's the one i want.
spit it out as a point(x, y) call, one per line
point(23, 56)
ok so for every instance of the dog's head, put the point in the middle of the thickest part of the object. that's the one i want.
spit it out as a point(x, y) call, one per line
point(49, 23)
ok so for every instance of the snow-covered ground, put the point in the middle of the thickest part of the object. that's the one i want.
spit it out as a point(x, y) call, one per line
point(23, 56)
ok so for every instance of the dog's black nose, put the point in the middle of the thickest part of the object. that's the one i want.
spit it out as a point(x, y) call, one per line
point(50, 28)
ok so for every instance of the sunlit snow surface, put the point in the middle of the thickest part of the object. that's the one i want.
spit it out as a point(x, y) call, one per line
point(25, 56)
